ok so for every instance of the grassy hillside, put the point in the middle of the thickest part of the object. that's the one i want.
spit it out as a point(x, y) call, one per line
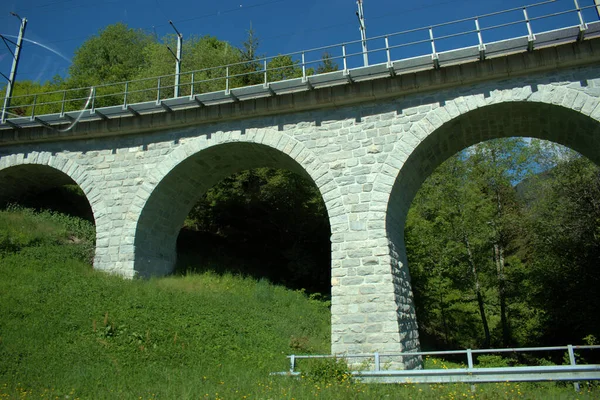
point(69, 332)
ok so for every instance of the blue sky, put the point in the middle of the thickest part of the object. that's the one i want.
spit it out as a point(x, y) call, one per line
point(283, 26)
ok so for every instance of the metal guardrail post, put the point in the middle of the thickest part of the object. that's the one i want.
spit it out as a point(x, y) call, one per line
point(377, 362)
point(470, 365)
point(62, 104)
point(125, 96)
point(93, 106)
point(292, 363)
point(582, 24)
point(33, 107)
point(573, 362)
point(387, 52)
point(530, 36)
point(480, 39)
point(303, 68)
point(158, 91)
point(434, 56)
point(344, 58)
point(192, 86)
point(265, 69)
point(470, 358)
point(227, 80)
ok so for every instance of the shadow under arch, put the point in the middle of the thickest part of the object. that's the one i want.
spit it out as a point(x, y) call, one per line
point(178, 191)
point(22, 182)
point(510, 119)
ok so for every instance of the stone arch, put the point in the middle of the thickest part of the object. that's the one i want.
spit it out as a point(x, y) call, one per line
point(446, 130)
point(172, 189)
point(26, 174)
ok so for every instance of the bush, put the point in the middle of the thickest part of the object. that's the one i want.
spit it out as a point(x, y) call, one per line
point(328, 371)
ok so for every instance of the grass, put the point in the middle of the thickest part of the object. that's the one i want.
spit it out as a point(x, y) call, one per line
point(67, 331)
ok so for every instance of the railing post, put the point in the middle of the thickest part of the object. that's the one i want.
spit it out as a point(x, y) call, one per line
point(125, 96)
point(480, 39)
point(93, 100)
point(344, 58)
point(62, 104)
point(377, 364)
point(227, 80)
point(582, 25)
point(192, 87)
point(387, 52)
point(573, 362)
point(434, 56)
point(33, 107)
point(265, 69)
point(470, 358)
point(303, 68)
point(292, 363)
point(530, 36)
point(158, 91)
point(470, 365)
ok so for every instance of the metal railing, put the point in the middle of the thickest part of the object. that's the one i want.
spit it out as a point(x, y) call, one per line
point(431, 41)
point(372, 370)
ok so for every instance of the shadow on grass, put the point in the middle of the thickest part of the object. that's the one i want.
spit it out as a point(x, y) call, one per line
point(199, 252)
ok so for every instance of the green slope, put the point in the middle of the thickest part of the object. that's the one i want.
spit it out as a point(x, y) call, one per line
point(68, 332)
point(65, 327)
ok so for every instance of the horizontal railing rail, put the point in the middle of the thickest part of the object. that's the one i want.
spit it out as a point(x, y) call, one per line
point(431, 42)
point(470, 374)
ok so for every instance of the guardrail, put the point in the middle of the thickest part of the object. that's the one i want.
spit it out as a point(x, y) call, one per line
point(470, 374)
point(475, 38)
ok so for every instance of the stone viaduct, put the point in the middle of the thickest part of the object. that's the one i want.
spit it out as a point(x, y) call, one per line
point(367, 146)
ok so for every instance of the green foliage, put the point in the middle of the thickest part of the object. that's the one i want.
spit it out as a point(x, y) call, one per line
point(248, 56)
point(564, 222)
point(283, 67)
point(274, 219)
point(327, 64)
point(21, 228)
point(519, 259)
point(328, 371)
point(115, 54)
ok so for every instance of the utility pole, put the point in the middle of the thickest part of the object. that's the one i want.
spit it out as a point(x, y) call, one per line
point(363, 31)
point(15, 64)
point(177, 58)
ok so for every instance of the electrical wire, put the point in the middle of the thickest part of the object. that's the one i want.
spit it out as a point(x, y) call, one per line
point(368, 19)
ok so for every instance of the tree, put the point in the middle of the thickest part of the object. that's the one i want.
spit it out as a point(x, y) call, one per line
point(445, 220)
point(496, 165)
point(201, 54)
point(563, 208)
point(469, 222)
point(115, 54)
point(283, 67)
point(327, 64)
point(276, 219)
point(249, 56)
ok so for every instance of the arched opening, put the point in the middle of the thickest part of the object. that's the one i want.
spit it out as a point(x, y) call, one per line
point(265, 223)
point(514, 119)
point(43, 188)
point(236, 184)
